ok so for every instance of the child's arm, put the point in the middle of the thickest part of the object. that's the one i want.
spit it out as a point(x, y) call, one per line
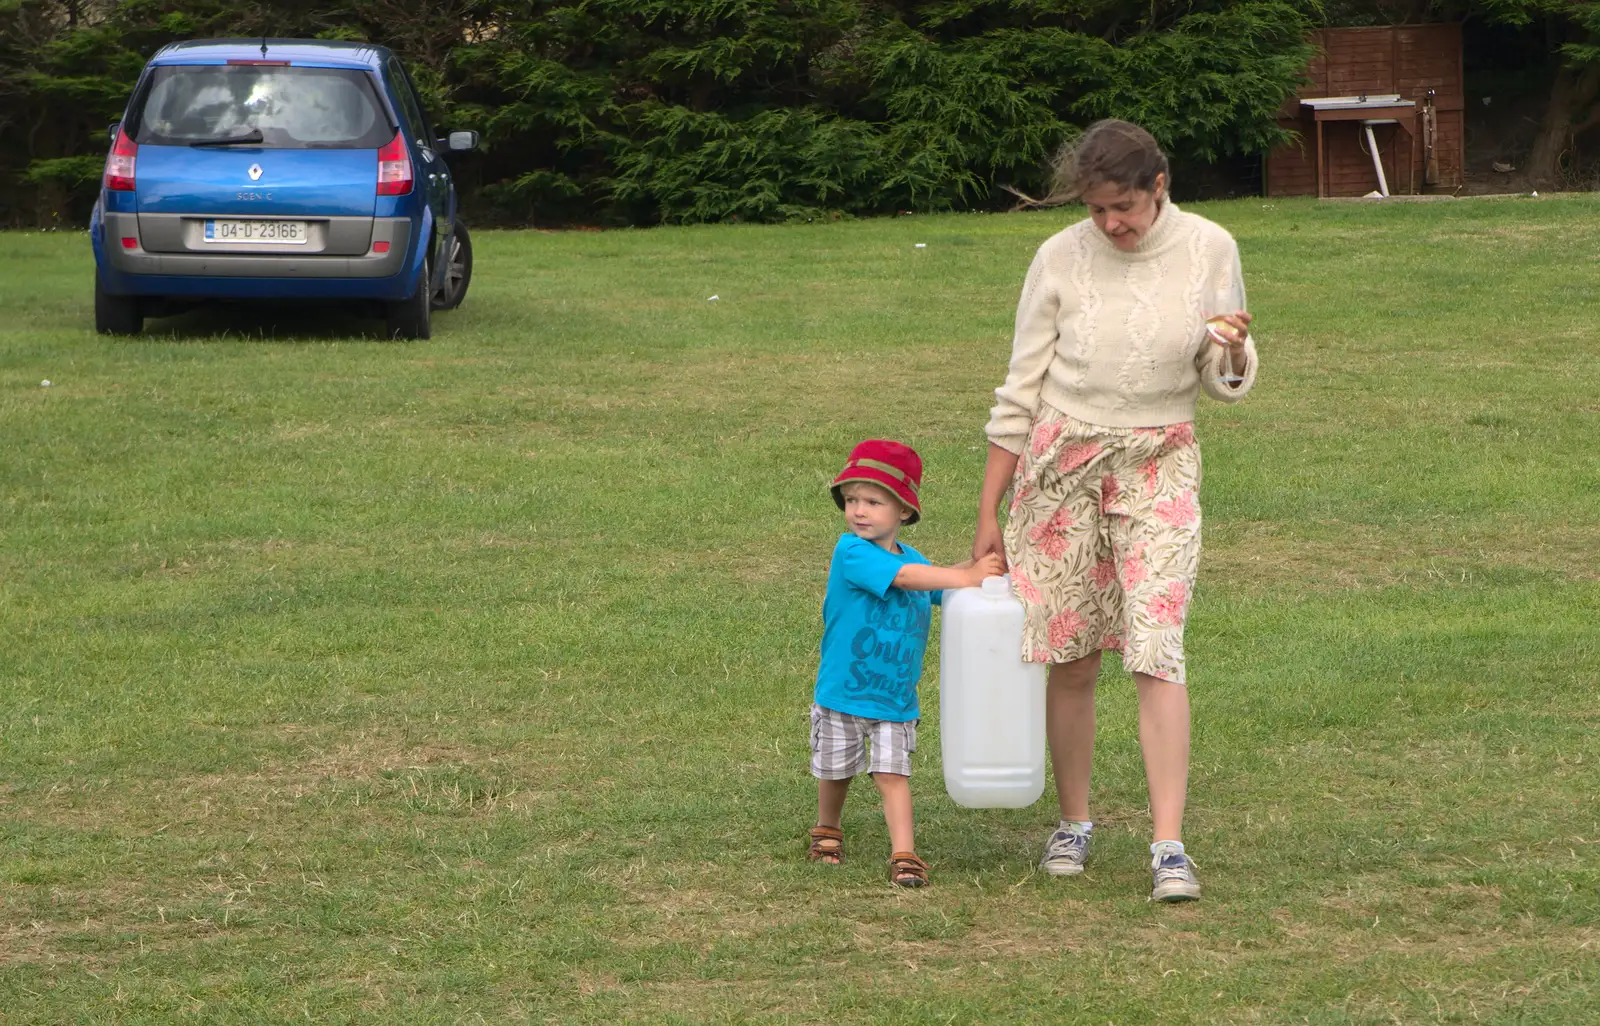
point(921, 577)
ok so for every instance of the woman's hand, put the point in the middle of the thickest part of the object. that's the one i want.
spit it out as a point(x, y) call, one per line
point(989, 542)
point(1239, 321)
point(998, 469)
point(1236, 328)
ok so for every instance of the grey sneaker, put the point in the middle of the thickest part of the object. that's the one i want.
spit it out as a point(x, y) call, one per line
point(1174, 878)
point(1065, 852)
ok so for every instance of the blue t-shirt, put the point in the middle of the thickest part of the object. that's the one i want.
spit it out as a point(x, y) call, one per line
point(873, 634)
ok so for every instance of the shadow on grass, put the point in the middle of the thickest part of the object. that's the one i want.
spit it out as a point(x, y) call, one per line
point(287, 321)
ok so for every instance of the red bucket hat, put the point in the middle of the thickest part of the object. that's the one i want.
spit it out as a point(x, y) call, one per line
point(886, 464)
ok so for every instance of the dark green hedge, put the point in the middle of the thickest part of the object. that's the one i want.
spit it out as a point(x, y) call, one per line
point(642, 111)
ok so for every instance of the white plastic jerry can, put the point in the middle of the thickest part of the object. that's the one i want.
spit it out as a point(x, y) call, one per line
point(991, 703)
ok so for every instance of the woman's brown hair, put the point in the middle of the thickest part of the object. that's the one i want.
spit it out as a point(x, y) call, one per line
point(1111, 151)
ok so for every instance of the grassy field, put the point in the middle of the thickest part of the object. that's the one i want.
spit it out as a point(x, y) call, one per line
point(466, 681)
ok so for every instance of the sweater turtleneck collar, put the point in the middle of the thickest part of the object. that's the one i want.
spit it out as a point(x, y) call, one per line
point(1162, 231)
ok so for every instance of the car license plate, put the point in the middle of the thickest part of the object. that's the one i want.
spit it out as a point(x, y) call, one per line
point(266, 233)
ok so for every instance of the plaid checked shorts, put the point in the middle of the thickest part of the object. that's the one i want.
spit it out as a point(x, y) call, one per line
point(839, 748)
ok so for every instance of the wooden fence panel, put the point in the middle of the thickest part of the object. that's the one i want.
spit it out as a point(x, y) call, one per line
point(1408, 60)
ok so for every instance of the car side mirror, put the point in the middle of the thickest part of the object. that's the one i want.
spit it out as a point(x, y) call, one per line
point(460, 142)
point(111, 133)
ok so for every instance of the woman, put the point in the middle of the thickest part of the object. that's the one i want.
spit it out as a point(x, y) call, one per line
point(1093, 433)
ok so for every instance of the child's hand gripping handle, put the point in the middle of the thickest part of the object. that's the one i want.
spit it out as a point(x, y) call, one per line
point(987, 565)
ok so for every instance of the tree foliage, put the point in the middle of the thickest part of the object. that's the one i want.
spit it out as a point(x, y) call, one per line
point(639, 111)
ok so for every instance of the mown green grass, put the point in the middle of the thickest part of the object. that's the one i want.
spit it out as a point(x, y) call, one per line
point(466, 680)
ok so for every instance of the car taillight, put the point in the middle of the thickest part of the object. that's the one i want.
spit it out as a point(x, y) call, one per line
point(119, 163)
point(394, 167)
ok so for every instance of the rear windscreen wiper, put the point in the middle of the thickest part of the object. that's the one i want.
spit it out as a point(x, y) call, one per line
point(253, 136)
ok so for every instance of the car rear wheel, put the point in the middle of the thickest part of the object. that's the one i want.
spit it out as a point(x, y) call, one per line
point(457, 270)
point(411, 318)
point(116, 315)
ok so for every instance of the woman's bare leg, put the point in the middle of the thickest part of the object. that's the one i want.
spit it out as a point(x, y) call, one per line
point(1069, 726)
point(1164, 738)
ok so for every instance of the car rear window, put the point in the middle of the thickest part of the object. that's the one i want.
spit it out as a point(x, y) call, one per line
point(293, 108)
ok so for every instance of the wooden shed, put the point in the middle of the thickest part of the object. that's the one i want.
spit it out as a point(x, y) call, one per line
point(1374, 83)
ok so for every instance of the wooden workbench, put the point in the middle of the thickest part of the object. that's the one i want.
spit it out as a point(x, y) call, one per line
point(1402, 111)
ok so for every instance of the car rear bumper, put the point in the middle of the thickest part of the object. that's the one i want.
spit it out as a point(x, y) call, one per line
point(232, 273)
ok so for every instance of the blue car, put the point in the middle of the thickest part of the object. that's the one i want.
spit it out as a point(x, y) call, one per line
point(278, 170)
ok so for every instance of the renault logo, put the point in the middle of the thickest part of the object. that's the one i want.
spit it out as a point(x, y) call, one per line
point(255, 172)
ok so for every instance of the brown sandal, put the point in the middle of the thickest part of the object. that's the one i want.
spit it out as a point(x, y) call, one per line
point(827, 845)
point(906, 870)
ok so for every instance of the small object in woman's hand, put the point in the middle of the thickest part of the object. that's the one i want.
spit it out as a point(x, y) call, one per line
point(1222, 332)
point(1229, 337)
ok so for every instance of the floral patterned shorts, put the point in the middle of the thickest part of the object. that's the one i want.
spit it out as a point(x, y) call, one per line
point(1104, 541)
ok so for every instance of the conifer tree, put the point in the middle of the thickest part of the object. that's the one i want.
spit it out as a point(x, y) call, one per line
point(641, 111)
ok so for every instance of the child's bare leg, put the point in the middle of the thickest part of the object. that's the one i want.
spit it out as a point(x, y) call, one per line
point(896, 791)
point(830, 801)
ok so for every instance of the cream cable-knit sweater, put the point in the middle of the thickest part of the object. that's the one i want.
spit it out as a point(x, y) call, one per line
point(1118, 339)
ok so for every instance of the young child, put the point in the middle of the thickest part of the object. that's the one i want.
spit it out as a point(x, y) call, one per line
point(875, 620)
